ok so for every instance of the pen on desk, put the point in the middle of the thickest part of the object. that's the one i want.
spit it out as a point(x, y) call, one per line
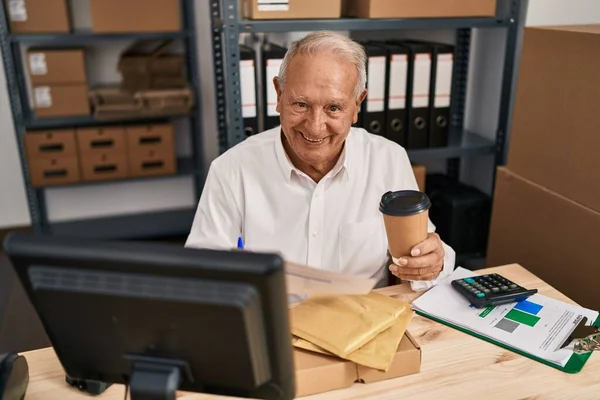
point(240, 244)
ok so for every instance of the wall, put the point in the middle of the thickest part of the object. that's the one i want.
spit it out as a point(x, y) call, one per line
point(69, 203)
point(137, 196)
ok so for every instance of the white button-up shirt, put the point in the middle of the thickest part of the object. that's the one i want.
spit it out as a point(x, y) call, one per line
point(254, 191)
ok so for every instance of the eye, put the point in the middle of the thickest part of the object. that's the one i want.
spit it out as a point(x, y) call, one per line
point(334, 108)
point(301, 104)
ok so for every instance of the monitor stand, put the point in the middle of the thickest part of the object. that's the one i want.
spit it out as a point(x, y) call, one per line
point(156, 378)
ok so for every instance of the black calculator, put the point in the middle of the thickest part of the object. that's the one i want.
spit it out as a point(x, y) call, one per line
point(491, 290)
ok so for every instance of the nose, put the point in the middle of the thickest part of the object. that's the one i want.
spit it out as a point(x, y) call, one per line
point(316, 122)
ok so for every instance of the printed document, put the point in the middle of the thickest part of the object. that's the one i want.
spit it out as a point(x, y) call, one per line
point(538, 326)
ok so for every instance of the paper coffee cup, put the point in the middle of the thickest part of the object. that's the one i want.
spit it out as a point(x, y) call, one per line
point(406, 215)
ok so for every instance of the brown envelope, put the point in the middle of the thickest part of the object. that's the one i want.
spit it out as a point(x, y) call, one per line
point(342, 324)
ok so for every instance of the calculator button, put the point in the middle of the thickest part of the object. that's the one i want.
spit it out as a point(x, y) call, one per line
point(504, 288)
point(480, 295)
point(469, 280)
point(513, 286)
point(486, 291)
point(495, 289)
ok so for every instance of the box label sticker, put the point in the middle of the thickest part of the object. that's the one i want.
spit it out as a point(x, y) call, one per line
point(37, 64)
point(43, 97)
point(273, 5)
point(17, 10)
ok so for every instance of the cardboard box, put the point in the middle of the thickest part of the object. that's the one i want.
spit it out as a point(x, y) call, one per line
point(156, 137)
point(38, 16)
point(552, 236)
point(317, 373)
point(292, 9)
point(110, 16)
point(554, 137)
point(53, 171)
point(420, 8)
point(56, 67)
point(152, 163)
point(420, 172)
point(104, 166)
point(50, 144)
point(101, 140)
point(61, 101)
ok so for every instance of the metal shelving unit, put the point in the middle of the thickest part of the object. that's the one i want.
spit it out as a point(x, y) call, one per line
point(128, 226)
point(226, 28)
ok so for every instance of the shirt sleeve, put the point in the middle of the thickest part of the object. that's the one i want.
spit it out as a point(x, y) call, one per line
point(410, 182)
point(218, 222)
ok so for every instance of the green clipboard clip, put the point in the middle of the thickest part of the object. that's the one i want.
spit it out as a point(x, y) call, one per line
point(586, 337)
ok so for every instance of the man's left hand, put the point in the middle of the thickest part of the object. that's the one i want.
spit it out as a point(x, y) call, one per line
point(425, 263)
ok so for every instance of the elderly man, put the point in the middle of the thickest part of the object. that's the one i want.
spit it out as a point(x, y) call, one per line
point(310, 189)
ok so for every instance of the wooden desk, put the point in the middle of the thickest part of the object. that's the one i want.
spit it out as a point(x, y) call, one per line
point(454, 366)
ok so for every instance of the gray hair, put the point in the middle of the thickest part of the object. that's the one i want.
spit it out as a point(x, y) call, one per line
point(345, 48)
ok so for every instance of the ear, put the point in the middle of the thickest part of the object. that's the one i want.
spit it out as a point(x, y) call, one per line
point(359, 101)
point(279, 91)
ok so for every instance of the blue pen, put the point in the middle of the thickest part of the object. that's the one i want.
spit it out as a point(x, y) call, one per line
point(240, 243)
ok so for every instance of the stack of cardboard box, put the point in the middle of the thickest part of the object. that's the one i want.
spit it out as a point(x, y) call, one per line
point(59, 82)
point(546, 213)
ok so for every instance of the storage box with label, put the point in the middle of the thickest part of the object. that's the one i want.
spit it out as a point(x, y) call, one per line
point(56, 66)
point(38, 16)
point(292, 9)
point(151, 149)
point(61, 101)
point(111, 16)
point(52, 157)
point(420, 8)
point(552, 236)
point(554, 137)
point(103, 153)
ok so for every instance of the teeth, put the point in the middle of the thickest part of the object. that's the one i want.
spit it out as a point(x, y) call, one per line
point(312, 140)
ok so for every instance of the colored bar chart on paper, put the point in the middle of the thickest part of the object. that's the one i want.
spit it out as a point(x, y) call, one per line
point(521, 317)
point(528, 307)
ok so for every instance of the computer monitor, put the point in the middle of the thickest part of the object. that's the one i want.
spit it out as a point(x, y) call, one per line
point(160, 317)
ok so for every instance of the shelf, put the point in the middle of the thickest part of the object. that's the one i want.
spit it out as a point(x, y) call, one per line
point(85, 37)
point(185, 166)
point(68, 122)
point(361, 24)
point(471, 144)
point(130, 226)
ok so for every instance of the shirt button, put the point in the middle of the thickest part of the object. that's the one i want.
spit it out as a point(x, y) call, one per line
point(315, 233)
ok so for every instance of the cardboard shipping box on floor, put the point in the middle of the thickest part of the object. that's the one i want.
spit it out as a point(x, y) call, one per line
point(420, 8)
point(38, 16)
point(317, 373)
point(554, 140)
point(135, 16)
point(56, 66)
point(552, 236)
point(291, 9)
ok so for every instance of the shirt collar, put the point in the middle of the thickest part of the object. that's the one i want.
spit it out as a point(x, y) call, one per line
point(287, 167)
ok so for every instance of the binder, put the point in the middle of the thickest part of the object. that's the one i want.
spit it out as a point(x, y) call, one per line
point(272, 57)
point(575, 363)
point(373, 107)
point(396, 92)
point(442, 67)
point(417, 95)
point(248, 89)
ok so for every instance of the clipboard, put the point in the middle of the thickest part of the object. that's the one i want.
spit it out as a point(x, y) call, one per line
point(573, 366)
